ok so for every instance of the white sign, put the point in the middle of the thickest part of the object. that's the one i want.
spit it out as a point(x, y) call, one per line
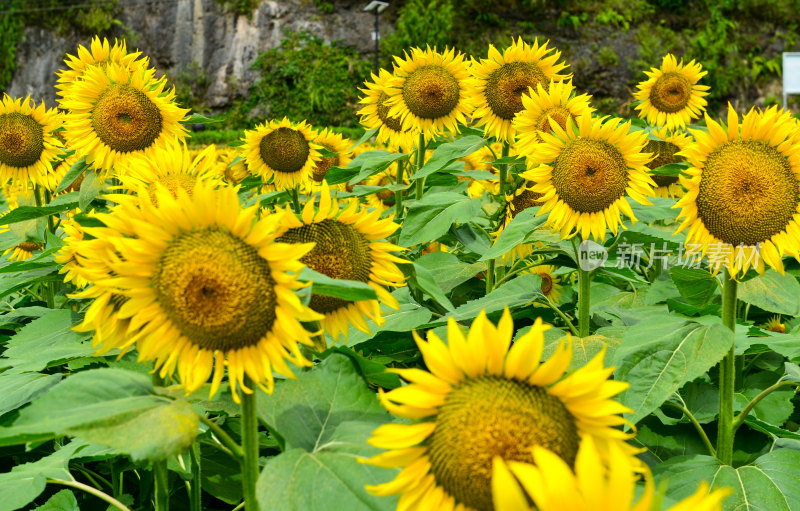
point(791, 74)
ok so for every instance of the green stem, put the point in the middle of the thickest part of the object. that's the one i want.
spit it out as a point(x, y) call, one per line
point(752, 404)
point(92, 491)
point(490, 276)
point(250, 470)
point(727, 375)
point(398, 194)
point(295, 195)
point(563, 316)
point(697, 426)
point(584, 301)
point(420, 163)
point(161, 477)
point(227, 442)
point(739, 371)
point(503, 172)
point(196, 494)
point(49, 287)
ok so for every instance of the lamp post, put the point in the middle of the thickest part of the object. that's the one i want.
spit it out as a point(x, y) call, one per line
point(377, 8)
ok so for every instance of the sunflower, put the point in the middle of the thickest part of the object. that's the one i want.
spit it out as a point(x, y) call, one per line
point(774, 324)
point(585, 172)
point(27, 141)
point(671, 96)
point(483, 397)
point(282, 152)
point(665, 151)
point(230, 165)
point(349, 245)
point(742, 196)
point(557, 102)
point(375, 115)
point(430, 91)
point(203, 284)
point(503, 79)
point(335, 143)
point(384, 199)
point(594, 485)
point(100, 53)
point(116, 113)
point(520, 199)
point(551, 287)
point(67, 257)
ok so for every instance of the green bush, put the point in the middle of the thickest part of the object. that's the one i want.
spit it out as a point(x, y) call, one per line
point(420, 23)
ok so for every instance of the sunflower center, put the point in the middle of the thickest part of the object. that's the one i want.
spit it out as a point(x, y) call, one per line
point(431, 92)
point(341, 252)
point(324, 165)
point(524, 200)
point(29, 246)
point(491, 416)
point(671, 92)
point(173, 182)
point(590, 175)
point(285, 150)
point(386, 196)
point(664, 153)
point(748, 192)
point(507, 84)
point(216, 289)
point(125, 119)
point(21, 140)
point(558, 113)
point(547, 283)
point(393, 123)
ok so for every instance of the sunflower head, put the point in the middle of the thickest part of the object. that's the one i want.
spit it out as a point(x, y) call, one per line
point(550, 287)
point(743, 193)
point(282, 152)
point(774, 325)
point(99, 54)
point(375, 114)
point(503, 79)
point(585, 174)
point(665, 148)
point(671, 96)
point(335, 143)
point(430, 92)
point(483, 398)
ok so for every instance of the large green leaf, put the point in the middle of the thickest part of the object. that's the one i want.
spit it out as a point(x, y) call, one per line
point(62, 501)
point(449, 152)
point(432, 216)
point(772, 292)
point(518, 291)
point(363, 166)
point(514, 233)
point(771, 483)
point(448, 270)
point(584, 349)
point(23, 213)
point(19, 389)
point(696, 286)
point(344, 289)
point(658, 357)
point(424, 280)
point(325, 418)
point(78, 168)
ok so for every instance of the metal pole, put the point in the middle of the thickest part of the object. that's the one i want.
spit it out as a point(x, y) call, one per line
point(377, 42)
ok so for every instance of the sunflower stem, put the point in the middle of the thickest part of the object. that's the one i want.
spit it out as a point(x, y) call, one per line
point(295, 195)
point(584, 299)
point(223, 438)
point(420, 182)
point(196, 493)
point(49, 287)
point(92, 491)
point(250, 470)
point(398, 194)
point(490, 276)
point(727, 375)
point(160, 474)
point(503, 172)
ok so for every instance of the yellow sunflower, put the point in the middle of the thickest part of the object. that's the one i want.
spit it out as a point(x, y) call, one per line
point(384, 199)
point(430, 91)
point(586, 172)
point(743, 197)
point(503, 79)
point(551, 287)
point(282, 152)
point(557, 102)
point(774, 325)
point(335, 143)
point(203, 283)
point(593, 485)
point(483, 397)
point(520, 199)
point(100, 53)
point(671, 96)
point(665, 151)
point(23, 250)
point(349, 245)
point(67, 257)
point(27, 141)
point(230, 165)
point(375, 114)
point(116, 113)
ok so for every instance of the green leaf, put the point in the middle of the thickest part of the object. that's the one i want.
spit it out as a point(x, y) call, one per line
point(772, 292)
point(448, 153)
point(372, 162)
point(74, 172)
point(325, 418)
point(20, 389)
point(423, 279)
point(518, 291)
point(670, 169)
point(696, 286)
point(373, 372)
point(90, 188)
point(366, 136)
point(432, 216)
point(448, 270)
point(775, 408)
point(659, 357)
point(345, 289)
point(666, 442)
point(509, 160)
point(46, 342)
point(409, 317)
point(768, 484)
point(584, 349)
point(514, 233)
point(23, 213)
point(201, 119)
point(61, 501)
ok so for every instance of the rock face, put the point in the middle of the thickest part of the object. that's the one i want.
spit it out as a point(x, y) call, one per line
point(181, 34)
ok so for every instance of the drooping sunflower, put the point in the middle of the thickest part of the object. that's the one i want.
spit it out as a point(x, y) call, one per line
point(116, 113)
point(336, 143)
point(503, 79)
point(671, 96)
point(204, 285)
point(349, 244)
point(430, 91)
point(665, 151)
point(481, 398)
point(375, 114)
point(558, 102)
point(100, 53)
point(586, 172)
point(594, 484)
point(774, 324)
point(27, 141)
point(743, 196)
point(550, 287)
point(282, 152)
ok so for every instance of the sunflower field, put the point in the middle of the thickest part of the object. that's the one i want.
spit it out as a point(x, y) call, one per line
point(497, 299)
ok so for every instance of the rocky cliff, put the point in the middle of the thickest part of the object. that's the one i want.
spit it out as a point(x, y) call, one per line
point(177, 33)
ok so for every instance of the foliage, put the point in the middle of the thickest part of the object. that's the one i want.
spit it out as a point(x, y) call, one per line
point(191, 84)
point(420, 23)
point(239, 6)
point(306, 78)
